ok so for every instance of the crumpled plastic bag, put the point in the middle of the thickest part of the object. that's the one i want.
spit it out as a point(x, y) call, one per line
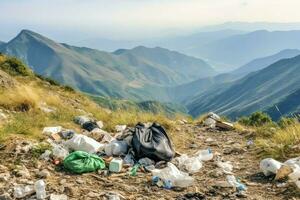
point(116, 148)
point(84, 143)
point(269, 166)
point(176, 177)
point(81, 162)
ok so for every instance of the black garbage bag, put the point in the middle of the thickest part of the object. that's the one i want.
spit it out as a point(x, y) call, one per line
point(152, 142)
point(89, 126)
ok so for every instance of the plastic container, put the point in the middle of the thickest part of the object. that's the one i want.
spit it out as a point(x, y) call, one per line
point(23, 191)
point(84, 143)
point(188, 164)
point(116, 148)
point(205, 155)
point(40, 189)
point(235, 183)
point(52, 130)
point(269, 166)
point(115, 165)
point(176, 177)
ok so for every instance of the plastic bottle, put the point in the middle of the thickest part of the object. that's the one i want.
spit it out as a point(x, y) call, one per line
point(40, 189)
point(205, 155)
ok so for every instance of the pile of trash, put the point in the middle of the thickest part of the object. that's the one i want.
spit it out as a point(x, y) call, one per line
point(289, 169)
point(213, 121)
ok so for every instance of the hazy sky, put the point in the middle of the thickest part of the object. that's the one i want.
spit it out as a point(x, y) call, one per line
point(136, 18)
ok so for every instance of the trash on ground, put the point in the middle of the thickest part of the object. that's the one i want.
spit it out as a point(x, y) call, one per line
point(161, 183)
point(80, 120)
point(46, 155)
point(134, 169)
point(152, 142)
point(116, 165)
point(269, 166)
point(120, 128)
point(224, 125)
point(146, 162)
point(129, 159)
point(58, 197)
point(52, 130)
point(40, 189)
point(225, 166)
point(84, 143)
point(81, 162)
point(176, 177)
point(116, 148)
point(235, 183)
point(23, 191)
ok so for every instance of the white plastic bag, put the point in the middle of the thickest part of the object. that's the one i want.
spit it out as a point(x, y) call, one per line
point(269, 166)
point(116, 148)
point(205, 155)
point(294, 162)
point(175, 176)
point(188, 164)
point(23, 191)
point(83, 143)
point(52, 130)
point(81, 120)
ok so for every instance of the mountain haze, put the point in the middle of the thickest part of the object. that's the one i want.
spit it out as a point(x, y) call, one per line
point(261, 63)
point(120, 75)
point(256, 91)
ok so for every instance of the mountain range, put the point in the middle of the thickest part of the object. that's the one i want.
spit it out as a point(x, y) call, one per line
point(256, 91)
point(143, 75)
point(133, 74)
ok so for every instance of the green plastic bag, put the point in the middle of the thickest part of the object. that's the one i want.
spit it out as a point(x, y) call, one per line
point(80, 162)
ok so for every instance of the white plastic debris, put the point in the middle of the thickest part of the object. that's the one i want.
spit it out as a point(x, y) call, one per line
point(225, 166)
point(83, 143)
point(188, 164)
point(23, 191)
point(120, 128)
point(115, 165)
point(213, 116)
point(211, 123)
point(116, 148)
point(58, 197)
point(146, 162)
point(46, 155)
point(52, 130)
point(294, 162)
point(205, 155)
point(231, 180)
point(40, 189)
point(270, 166)
point(100, 124)
point(175, 176)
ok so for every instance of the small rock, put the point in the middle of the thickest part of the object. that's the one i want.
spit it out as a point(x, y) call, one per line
point(58, 197)
point(63, 181)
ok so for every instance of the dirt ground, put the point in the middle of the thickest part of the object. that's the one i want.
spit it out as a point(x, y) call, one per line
point(209, 182)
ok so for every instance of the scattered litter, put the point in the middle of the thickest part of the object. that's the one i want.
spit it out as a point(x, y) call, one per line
point(270, 166)
point(84, 143)
point(176, 177)
point(67, 134)
point(146, 162)
point(55, 137)
point(116, 148)
point(129, 159)
point(213, 116)
point(120, 128)
point(211, 123)
point(161, 183)
point(100, 124)
point(58, 197)
point(23, 191)
point(81, 162)
point(115, 165)
point(224, 125)
point(40, 189)
point(235, 183)
point(80, 120)
point(152, 142)
point(225, 166)
point(134, 169)
point(89, 126)
point(52, 130)
point(59, 152)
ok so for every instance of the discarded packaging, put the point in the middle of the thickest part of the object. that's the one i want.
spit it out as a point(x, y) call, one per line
point(83, 143)
point(81, 162)
point(152, 142)
point(224, 125)
point(23, 191)
point(146, 162)
point(211, 123)
point(176, 177)
point(116, 148)
point(120, 128)
point(81, 120)
point(205, 155)
point(58, 197)
point(129, 159)
point(115, 165)
point(161, 183)
point(235, 183)
point(270, 166)
point(213, 116)
point(46, 155)
point(59, 152)
point(40, 189)
point(52, 130)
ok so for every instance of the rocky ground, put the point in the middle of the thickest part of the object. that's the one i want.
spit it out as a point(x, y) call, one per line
point(21, 167)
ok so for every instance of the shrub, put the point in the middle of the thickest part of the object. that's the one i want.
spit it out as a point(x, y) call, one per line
point(286, 121)
point(15, 67)
point(256, 119)
point(47, 79)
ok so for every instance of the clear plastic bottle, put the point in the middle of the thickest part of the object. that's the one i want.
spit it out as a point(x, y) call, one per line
point(205, 155)
point(40, 189)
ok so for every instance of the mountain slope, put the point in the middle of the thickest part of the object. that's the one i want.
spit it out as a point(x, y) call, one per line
point(287, 106)
point(239, 49)
point(98, 72)
point(261, 63)
point(1, 43)
point(256, 91)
